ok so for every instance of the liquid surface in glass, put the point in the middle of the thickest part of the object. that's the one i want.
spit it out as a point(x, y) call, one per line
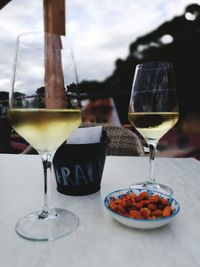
point(45, 129)
point(153, 125)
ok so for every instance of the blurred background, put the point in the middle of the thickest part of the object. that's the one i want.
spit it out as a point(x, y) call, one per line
point(109, 39)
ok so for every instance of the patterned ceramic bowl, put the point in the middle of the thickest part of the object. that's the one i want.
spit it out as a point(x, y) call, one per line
point(141, 223)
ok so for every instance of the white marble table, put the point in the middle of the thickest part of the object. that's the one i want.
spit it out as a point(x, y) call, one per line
point(99, 240)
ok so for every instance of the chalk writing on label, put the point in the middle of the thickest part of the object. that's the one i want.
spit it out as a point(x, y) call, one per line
point(77, 174)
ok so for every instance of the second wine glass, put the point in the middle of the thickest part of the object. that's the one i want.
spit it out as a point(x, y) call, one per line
point(153, 110)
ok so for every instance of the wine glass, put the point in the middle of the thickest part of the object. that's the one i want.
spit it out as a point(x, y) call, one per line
point(44, 72)
point(153, 110)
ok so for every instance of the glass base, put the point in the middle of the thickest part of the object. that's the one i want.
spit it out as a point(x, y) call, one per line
point(58, 223)
point(153, 186)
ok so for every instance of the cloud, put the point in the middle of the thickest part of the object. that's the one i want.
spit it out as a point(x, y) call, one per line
point(100, 31)
point(21, 16)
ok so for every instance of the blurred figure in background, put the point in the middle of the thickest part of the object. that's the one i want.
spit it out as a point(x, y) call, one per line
point(101, 110)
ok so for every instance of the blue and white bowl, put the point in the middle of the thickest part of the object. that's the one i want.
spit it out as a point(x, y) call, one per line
point(141, 223)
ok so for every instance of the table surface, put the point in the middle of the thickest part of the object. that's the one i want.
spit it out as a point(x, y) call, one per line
point(99, 240)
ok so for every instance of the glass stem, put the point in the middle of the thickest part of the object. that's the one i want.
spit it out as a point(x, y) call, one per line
point(152, 151)
point(47, 209)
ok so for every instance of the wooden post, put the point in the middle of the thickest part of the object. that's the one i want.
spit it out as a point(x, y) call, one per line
point(54, 22)
point(54, 16)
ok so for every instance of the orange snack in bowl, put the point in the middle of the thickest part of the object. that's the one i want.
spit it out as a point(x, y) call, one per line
point(135, 214)
point(152, 206)
point(145, 212)
point(125, 203)
point(167, 211)
point(128, 200)
point(142, 206)
point(146, 202)
point(138, 205)
point(131, 196)
point(157, 213)
point(116, 206)
point(143, 195)
point(164, 201)
point(154, 198)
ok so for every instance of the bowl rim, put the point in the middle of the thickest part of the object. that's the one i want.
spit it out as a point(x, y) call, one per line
point(143, 220)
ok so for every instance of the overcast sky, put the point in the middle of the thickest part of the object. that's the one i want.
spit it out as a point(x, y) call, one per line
point(100, 31)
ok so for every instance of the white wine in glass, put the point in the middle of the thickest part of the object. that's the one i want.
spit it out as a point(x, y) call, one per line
point(153, 110)
point(43, 113)
point(45, 129)
point(153, 125)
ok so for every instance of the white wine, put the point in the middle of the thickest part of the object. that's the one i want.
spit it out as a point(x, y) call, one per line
point(153, 125)
point(45, 129)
